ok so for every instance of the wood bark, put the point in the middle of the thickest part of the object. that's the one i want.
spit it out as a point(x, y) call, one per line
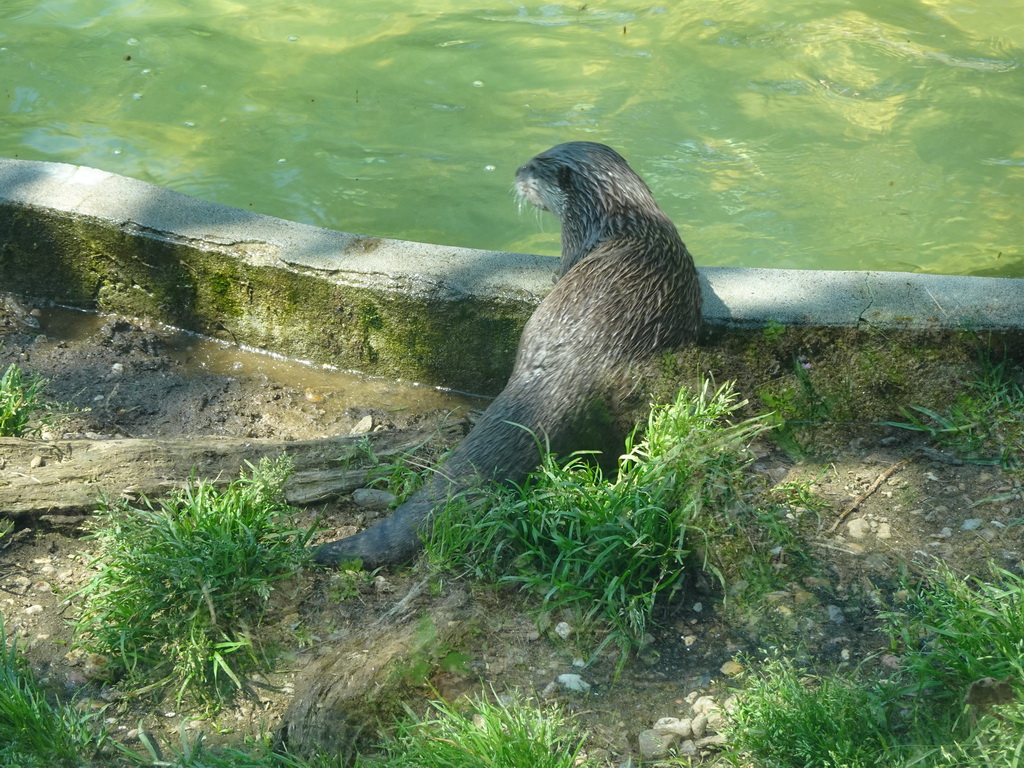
point(67, 477)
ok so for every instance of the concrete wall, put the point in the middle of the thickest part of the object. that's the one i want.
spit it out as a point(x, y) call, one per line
point(437, 314)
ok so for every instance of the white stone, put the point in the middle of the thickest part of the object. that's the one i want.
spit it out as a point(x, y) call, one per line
point(705, 705)
point(573, 682)
point(858, 528)
point(654, 745)
point(674, 725)
point(372, 498)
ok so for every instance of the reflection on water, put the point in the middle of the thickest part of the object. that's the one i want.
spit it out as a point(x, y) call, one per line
point(838, 134)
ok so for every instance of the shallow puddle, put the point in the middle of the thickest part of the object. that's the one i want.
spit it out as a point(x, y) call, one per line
point(333, 391)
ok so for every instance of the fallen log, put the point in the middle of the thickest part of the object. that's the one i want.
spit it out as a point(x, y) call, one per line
point(61, 477)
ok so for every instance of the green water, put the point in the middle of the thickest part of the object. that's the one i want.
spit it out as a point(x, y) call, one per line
point(826, 134)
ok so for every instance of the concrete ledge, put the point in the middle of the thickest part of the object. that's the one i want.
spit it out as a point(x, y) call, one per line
point(438, 314)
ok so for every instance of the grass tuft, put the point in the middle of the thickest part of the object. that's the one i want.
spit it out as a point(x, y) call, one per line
point(180, 586)
point(492, 735)
point(33, 732)
point(788, 719)
point(608, 549)
point(20, 399)
point(986, 423)
point(953, 631)
point(956, 699)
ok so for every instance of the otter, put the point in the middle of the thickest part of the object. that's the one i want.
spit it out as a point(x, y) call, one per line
point(626, 289)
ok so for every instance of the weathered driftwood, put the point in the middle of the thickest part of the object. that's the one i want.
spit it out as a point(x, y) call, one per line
point(59, 477)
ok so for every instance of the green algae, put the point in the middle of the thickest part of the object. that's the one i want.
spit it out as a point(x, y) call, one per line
point(234, 292)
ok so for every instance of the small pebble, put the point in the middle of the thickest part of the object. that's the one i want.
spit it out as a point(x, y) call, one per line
point(363, 426)
point(573, 682)
point(972, 524)
point(858, 528)
point(563, 630)
point(655, 745)
point(680, 728)
point(716, 722)
point(690, 748)
point(372, 498)
point(699, 726)
point(731, 668)
point(704, 705)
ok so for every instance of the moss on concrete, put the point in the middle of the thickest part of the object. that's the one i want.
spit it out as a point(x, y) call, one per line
point(815, 379)
point(466, 342)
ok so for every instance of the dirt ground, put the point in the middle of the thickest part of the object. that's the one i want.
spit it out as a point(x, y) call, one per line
point(129, 380)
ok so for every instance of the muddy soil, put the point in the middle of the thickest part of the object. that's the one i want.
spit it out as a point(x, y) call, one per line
point(123, 379)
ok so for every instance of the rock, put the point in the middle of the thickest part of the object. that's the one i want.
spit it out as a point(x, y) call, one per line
point(372, 498)
point(688, 748)
point(716, 722)
point(699, 726)
point(711, 741)
point(94, 666)
point(705, 705)
point(363, 426)
point(655, 745)
point(563, 630)
point(674, 725)
point(731, 668)
point(803, 597)
point(972, 524)
point(835, 614)
point(573, 682)
point(858, 528)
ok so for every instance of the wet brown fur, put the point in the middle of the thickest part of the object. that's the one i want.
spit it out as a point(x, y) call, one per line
point(628, 289)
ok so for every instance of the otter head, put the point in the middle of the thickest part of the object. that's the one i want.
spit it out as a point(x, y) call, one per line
point(592, 190)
